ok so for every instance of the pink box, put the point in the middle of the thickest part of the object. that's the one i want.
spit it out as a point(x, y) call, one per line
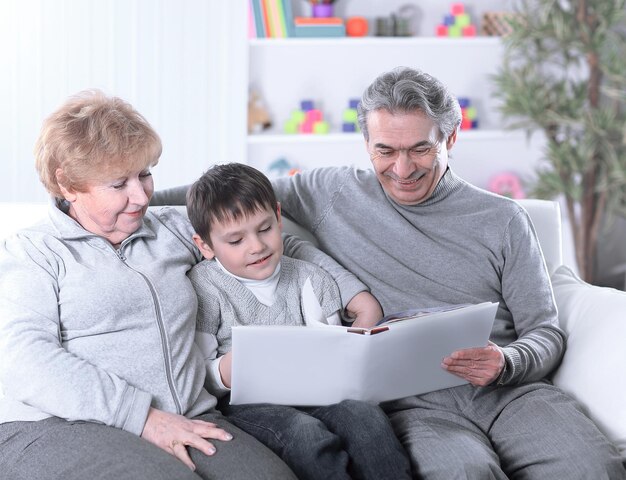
point(469, 31)
point(306, 127)
point(457, 8)
point(313, 115)
point(442, 31)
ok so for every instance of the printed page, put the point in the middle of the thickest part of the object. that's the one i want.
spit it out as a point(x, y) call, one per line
point(417, 313)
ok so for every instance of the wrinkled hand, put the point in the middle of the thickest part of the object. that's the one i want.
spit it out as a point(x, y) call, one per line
point(365, 310)
point(174, 433)
point(479, 366)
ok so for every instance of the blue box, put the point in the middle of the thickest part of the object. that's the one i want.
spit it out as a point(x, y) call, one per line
point(314, 31)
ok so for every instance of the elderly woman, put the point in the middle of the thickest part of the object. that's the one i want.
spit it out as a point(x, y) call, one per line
point(99, 373)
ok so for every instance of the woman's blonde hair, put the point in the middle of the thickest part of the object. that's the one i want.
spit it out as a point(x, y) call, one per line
point(93, 137)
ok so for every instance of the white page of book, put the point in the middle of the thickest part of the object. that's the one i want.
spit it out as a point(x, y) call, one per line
point(324, 365)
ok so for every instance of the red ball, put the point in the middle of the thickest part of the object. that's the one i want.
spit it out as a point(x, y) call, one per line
point(356, 27)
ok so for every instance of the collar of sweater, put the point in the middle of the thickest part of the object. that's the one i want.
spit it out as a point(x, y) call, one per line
point(263, 290)
point(70, 229)
point(448, 184)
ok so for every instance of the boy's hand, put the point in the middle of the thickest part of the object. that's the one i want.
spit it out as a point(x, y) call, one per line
point(226, 368)
point(365, 310)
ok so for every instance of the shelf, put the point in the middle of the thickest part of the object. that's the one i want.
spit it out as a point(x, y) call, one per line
point(373, 41)
point(331, 71)
point(330, 138)
point(269, 138)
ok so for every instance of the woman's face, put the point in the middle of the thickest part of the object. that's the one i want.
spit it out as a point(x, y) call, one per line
point(113, 208)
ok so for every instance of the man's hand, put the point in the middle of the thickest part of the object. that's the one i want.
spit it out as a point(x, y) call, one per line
point(479, 366)
point(365, 310)
point(174, 433)
point(226, 368)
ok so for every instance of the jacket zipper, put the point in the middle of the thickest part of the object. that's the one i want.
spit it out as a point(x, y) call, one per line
point(164, 342)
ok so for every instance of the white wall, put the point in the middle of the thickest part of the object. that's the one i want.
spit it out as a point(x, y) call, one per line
point(175, 61)
point(181, 63)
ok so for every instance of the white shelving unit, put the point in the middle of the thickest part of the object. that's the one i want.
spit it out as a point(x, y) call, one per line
point(331, 71)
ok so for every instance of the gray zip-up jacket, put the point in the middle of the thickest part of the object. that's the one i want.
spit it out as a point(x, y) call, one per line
point(93, 333)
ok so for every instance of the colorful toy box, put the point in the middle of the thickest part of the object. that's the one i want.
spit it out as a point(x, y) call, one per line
point(457, 23)
point(307, 119)
point(469, 115)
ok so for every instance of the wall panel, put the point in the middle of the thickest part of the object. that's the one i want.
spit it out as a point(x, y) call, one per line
point(171, 59)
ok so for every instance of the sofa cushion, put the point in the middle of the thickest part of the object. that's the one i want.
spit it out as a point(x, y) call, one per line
point(592, 370)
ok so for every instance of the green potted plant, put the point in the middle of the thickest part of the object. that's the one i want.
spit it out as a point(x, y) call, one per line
point(564, 74)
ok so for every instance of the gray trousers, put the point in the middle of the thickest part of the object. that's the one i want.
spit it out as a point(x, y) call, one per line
point(53, 449)
point(532, 431)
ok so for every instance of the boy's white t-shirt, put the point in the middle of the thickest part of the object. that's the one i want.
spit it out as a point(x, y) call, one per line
point(263, 290)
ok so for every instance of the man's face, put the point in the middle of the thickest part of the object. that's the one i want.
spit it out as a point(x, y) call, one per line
point(407, 153)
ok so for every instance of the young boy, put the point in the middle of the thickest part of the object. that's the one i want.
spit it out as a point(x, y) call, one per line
point(245, 280)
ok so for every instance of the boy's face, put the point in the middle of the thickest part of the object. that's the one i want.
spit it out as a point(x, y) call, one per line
point(250, 247)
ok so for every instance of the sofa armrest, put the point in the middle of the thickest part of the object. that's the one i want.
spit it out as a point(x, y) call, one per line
point(546, 218)
point(592, 370)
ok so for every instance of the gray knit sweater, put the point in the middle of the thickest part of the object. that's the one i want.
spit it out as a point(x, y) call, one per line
point(462, 245)
point(223, 302)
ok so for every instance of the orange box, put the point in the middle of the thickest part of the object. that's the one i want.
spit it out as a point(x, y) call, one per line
point(318, 21)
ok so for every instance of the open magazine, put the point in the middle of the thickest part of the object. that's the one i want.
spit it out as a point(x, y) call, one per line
point(321, 366)
point(418, 312)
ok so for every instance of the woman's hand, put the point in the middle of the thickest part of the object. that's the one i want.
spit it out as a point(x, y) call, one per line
point(365, 310)
point(174, 433)
point(479, 366)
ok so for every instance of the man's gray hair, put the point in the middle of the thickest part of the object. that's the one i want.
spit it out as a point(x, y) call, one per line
point(405, 90)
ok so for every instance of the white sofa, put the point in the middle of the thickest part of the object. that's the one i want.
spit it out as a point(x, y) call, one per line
point(593, 317)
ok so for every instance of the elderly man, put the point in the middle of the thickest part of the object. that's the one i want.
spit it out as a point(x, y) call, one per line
point(418, 235)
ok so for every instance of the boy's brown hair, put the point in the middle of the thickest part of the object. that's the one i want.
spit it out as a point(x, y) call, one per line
point(228, 192)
